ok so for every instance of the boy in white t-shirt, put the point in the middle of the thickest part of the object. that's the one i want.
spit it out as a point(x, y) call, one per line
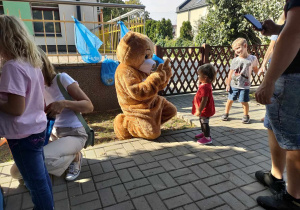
point(239, 78)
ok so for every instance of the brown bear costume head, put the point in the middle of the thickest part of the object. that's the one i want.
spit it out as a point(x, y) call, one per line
point(134, 48)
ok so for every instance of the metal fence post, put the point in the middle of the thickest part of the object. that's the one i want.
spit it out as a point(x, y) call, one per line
point(206, 53)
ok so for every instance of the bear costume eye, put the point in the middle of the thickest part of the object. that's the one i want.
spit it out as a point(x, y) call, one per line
point(146, 57)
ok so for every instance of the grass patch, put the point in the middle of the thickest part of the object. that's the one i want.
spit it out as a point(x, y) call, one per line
point(102, 123)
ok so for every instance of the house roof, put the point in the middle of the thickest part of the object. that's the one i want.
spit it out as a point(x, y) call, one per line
point(190, 5)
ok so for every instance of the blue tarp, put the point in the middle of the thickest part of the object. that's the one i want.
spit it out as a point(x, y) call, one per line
point(108, 69)
point(124, 29)
point(87, 44)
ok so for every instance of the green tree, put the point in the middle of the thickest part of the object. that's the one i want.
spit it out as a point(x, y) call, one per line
point(186, 31)
point(150, 28)
point(225, 22)
point(164, 29)
point(109, 13)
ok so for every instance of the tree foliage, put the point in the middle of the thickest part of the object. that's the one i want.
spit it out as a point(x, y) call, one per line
point(159, 29)
point(186, 30)
point(225, 22)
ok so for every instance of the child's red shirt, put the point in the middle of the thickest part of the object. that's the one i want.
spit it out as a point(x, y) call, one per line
point(204, 90)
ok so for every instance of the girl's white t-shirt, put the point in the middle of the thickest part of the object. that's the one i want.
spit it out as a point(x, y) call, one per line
point(67, 117)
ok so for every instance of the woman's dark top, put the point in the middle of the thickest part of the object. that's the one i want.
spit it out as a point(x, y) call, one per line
point(294, 67)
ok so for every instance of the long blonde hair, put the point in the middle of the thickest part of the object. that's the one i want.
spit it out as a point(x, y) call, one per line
point(16, 43)
point(48, 69)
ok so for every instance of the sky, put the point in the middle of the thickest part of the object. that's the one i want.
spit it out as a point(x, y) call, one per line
point(162, 9)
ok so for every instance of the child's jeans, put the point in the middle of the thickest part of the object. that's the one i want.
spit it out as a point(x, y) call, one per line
point(29, 157)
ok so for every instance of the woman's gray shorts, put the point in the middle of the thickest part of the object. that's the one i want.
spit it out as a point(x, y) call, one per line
point(283, 114)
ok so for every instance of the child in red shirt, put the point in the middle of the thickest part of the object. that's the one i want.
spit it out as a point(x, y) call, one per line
point(203, 103)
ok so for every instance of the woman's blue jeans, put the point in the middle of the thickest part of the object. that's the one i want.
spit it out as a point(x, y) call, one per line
point(29, 157)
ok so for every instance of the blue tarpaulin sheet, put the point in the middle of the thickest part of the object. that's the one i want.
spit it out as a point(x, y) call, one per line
point(124, 29)
point(108, 69)
point(87, 43)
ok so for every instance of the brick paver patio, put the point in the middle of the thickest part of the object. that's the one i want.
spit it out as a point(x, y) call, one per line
point(173, 172)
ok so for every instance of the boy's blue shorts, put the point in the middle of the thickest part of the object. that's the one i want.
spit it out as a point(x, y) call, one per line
point(236, 93)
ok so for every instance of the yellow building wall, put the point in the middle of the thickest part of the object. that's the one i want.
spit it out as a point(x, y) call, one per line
point(193, 16)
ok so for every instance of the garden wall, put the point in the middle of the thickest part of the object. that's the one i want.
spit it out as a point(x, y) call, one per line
point(104, 97)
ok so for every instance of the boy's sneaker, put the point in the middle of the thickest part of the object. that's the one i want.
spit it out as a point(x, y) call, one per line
point(199, 136)
point(246, 119)
point(74, 169)
point(225, 117)
point(205, 140)
point(266, 179)
point(280, 201)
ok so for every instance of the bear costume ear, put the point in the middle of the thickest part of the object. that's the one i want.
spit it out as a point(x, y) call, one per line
point(133, 49)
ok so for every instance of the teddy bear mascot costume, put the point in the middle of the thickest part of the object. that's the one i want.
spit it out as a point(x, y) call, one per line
point(144, 111)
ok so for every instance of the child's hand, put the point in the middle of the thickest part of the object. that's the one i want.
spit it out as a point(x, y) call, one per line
point(197, 113)
point(227, 88)
point(261, 71)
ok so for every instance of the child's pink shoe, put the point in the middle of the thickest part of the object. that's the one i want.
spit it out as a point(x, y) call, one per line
point(199, 136)
point(205, 140)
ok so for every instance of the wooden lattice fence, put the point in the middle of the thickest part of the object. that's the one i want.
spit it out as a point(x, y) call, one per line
point(186, 60)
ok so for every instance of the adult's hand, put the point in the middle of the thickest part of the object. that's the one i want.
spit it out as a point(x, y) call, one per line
point(55, 108)
point(264, 93)
point(270, 28)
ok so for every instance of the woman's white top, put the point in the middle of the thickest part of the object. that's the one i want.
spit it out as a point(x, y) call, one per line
point(67, 117)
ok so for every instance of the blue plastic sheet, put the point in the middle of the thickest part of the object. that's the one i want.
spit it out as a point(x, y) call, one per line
point(124, 29)
point(108, 69)
point(1, 200)
point(157, 59)
point(87, 44)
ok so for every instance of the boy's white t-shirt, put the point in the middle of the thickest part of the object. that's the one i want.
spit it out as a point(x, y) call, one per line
point(67, 117)
point(242, 67)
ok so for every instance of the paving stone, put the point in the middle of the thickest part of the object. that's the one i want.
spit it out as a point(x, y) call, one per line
point(194, 194)
point(107, 166)
point(154, 171)
point(141, 191)
point(26, 201)
point(124, 165)
point(105, 176)
point(124, 206)
point(96, 169)
point(167, 179)
point(180, 172)
point(63, 204)
point(223, 187)
point(203, 188)
point(141, 203)
point(244, 198)
point(156, 182)
point(198, 171)
point(124, 175)
point(149, 166)
point(84, 198)
point(192, 206)
point(108, 183)
point(213, 180)
point(136, 173)
point(107, 197)
point(170, 192)
point(232, 201)
point(166, 165)
point(89, 205)
point(208, 169)
point(155, 202)
point(253, 188)
point(210, 203)
point(120, 193)
point(175, 162)
point(177, 201)
point(136, 183)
